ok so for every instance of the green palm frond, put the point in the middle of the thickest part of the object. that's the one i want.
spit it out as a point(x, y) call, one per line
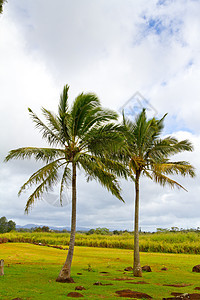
point(164, 180)
point(41, 175)
point(47, 133)
point(95, 169)
point(104, 138)
point(178, 168)
point(96, 117)
point(1, 5)
point(44, 154)
point(45, 186)
point(83, 105)
point(63, 104)
point(53, 121)
point(63, 115)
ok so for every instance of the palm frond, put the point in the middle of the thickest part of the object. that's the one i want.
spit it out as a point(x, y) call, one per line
point(82, 106)
point(44, 154)
point(96, 170)
point(164, 180)
point(97, 117)
point(47, 133)
point(103, 139)
point(45, 186)
point(53, 120)
point(64, 116)
point(180, 167)
point(41, 175)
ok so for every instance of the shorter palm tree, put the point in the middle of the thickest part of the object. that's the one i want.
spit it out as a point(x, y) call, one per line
point(147, 154)
point(82, 136)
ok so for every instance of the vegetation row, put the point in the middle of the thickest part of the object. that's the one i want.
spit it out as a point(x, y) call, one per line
point(177, 242)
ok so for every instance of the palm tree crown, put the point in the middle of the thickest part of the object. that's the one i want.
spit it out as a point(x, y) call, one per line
point(148, 154)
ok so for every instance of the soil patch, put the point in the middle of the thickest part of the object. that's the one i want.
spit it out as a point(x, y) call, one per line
point(132, 294)
point(100, 283)
point(138, 282)
point(197, 288)
point(75, 295)
point(104, 272)
point(178, 285)
point(123, 278)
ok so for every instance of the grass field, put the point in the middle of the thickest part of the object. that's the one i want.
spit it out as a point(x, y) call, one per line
point(31, 270)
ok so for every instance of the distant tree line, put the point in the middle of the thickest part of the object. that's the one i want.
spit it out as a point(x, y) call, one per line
point(177, 229)
point(6, 226)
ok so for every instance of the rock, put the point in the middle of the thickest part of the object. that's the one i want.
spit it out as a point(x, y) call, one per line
point(196, 269)
point(128, 269)
point(97, 283)
point(104, 273)
point(79, 288)
point(132, 294)
point(164, 269)
point(183, 296)
point(75, 295)
point(146, 268)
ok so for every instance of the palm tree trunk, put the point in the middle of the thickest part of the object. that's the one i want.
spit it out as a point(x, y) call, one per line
point(137, 271)
point(65, 272)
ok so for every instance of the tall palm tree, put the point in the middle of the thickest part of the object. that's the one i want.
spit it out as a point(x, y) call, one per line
point(147, 154)
point(82, 136)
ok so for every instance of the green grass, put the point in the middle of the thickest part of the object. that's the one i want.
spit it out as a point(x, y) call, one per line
point(31, 270)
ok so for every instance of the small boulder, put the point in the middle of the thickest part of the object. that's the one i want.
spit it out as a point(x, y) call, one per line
point(79, 288)
point(146, 268)
point(97, 283)
point(128, 269)
point(196, 269)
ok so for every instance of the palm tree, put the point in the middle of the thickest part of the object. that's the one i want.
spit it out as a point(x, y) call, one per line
point(147, 154)
point(82, 136)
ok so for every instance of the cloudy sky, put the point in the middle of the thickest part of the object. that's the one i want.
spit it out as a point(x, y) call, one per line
point(113, 48)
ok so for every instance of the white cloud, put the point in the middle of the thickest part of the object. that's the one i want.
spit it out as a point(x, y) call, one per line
point(113, 49)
